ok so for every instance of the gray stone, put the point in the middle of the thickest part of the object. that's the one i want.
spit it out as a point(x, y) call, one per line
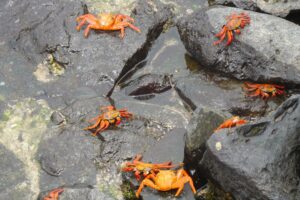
point(80, 193)
point(259, 160)
point(262, 53)
point(201, 127)
point(67, 158)
point(13, 181)
point(275, 7)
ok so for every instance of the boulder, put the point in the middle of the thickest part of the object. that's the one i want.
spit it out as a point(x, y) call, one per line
point(265, 51)
point(259, 160)
point(279, 8)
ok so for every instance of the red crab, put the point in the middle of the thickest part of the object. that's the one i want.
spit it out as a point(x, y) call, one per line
point(109, 116)
point(166, 180)
point(141, 167)
point(263, 90)
point(234, 121)
point(106, 21)
point(234, 23)
point(53, 195)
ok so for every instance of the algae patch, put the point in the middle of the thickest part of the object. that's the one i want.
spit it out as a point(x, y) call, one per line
point(21, 129)
point(48, 70)
point(111, 6)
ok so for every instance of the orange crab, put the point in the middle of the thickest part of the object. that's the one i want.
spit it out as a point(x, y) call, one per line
point(234, 23)
point(141, 167)
point(234, 121)
point(165, 180)
point(109, 116)
point(106, 21)
point(53, 195)
point(263, 90)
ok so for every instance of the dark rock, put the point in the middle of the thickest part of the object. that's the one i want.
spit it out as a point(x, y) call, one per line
point(275, 7)
point(68, 159)
point(200, 128)
point(148, 84)
point(262, 53)
point(46, 27)
point(259, 160)
point(204, 92)
point(12, 176)
point(80, 193)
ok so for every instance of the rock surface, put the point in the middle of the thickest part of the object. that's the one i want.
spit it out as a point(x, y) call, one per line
point(275, 7)
point(259, 160)
point(260, 54)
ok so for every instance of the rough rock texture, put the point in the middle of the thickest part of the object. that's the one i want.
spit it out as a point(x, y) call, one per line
point(259, 160)
point(48, 27)
point(275, 7)
point(13, 180)
point(200, 128)
point(261, 53)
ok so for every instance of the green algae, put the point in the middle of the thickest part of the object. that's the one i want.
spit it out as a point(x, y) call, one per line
point(21, 128)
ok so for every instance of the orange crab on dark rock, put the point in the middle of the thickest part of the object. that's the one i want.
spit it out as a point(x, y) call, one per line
point(107, 22)
point(263, 90)
point(138, 167)
point(234, 24)
point(109, 116)
point(234, 121)
point(54, 194)
point(165, 180)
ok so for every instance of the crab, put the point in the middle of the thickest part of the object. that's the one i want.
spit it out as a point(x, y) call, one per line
point(165, 180)
point(141, 167)
point(234, 121)
point(109, 116)
point(263, 90)
point(106, 21)
point(234, 23)
point(53, 195)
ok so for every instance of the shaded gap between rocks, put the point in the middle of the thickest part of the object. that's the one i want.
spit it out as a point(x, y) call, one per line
point(294, 16)
point(140, 54)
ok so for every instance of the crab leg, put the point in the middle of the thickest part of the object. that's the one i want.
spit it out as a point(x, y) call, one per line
point(147, 182)
point(230, 37)
point(104, 125)
point(221, 33)
point(95, 125)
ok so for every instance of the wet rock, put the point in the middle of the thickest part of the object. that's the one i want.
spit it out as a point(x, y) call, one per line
point(259, 160)
point(68, 159)
point(46, 27)
point(22, 126)
point(201, 127)
point(262, 53)
point(81, 193)
point(199, 91)
point(166, 111)
point(169, 148)
point(148, 84)
point(13, 181)
point(275, 7)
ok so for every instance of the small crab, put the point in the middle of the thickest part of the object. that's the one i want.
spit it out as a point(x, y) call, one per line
point(53, 194)
point(109, 116)
point(165, 180)
point(234, 23)
point(141, 167)
point(234, 121)
point(106, 21)
point(263, 90)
